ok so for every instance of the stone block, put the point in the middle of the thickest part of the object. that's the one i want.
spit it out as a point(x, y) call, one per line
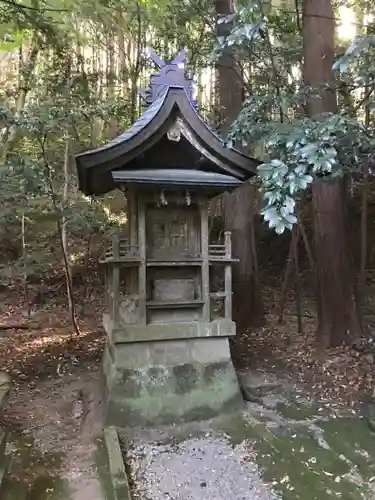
point(217, 370)
point(207, 351)
point(4, 390)
point(133, 356)
point(167, 331)
point(5, 384)
point(166, 382)
point(258, 384)
point(4, 380)
point(2, 442)
point(117, 472)
point(173, 352)
point(131, 383)
point(232, 404)
point(187, 377)
point(158, 381)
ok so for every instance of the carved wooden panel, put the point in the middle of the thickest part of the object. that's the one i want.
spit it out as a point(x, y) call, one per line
point(174, 289)
point(172, 232)
point(174, 283)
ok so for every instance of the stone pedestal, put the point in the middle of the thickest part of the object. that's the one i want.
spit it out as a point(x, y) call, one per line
point(187, 375)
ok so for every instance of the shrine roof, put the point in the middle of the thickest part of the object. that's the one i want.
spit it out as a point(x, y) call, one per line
point(175, 177)
point(170, 124)
point(136, 128)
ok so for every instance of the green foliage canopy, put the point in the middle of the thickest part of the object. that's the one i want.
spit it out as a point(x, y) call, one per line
point(296, 149)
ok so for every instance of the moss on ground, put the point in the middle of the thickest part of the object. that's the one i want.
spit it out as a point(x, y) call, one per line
point(297, 411)
point(301, 466)
point(32, 474)
point(352, 438)
point(333, 458)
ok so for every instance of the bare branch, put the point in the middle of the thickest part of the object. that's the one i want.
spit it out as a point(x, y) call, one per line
point(29, 7)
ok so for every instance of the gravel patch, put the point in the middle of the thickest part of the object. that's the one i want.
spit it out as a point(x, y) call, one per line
point(208, 467)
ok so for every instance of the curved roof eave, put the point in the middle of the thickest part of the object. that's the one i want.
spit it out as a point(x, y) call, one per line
point(146, 131)
point(212, 142)
point(134, 136)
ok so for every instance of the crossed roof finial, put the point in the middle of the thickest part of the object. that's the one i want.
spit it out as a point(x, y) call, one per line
point(170, 74)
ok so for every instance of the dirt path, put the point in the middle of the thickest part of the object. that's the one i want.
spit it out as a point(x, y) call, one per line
point(58, 422)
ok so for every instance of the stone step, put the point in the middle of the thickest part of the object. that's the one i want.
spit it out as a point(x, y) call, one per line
point(4, 463)
point(4, 459)
point(256, 384)
point(4, 391)
point(2, 441)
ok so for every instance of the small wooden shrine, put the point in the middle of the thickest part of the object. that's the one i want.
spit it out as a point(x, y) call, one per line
point(167, 357)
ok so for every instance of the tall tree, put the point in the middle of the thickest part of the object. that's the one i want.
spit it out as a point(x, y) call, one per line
point(239, 214)
point(304, 140)
point(338, 316)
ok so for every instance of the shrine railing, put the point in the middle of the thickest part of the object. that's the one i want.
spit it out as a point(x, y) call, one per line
point(221, 251)
point(119, 250)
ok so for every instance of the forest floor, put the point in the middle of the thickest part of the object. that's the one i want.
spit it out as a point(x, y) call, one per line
point(340, 378)
point(54, 401)
point(55, 434)
point(45, 346)
point(54, 412)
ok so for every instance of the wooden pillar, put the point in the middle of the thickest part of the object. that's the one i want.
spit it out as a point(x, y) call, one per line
point(228, 276)
point(133, 238)
point(132, 217)
point(107, 289)
point(115, 279)
point(142, 291)
point(206, 312)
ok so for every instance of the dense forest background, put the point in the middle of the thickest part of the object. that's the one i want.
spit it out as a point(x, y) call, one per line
point(291, 82)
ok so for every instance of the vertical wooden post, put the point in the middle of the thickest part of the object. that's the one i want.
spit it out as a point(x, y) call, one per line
point(132, 217)
point(133, 237)
point(228, 276)
point(109, 290)
point(206, 312)
point(106, 288)
point(115, 292)
point(142, 290)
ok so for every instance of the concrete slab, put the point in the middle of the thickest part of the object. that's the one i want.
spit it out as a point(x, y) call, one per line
point(117, 472)
point(197, 462)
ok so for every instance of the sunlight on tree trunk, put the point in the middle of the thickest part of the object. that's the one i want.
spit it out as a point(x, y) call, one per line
point(66, 196)
point(338, 314)
point(26, 71)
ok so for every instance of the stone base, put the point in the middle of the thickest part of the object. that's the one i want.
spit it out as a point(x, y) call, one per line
point(173, 381)
point(4, 391)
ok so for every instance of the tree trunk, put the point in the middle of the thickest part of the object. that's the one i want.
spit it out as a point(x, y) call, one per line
point(26, 71)
point(338, 314)
point(318, 53)
point(338, 318)
point(239, 219)
point(238, 210)
point(231, 87)
point(123, 70)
